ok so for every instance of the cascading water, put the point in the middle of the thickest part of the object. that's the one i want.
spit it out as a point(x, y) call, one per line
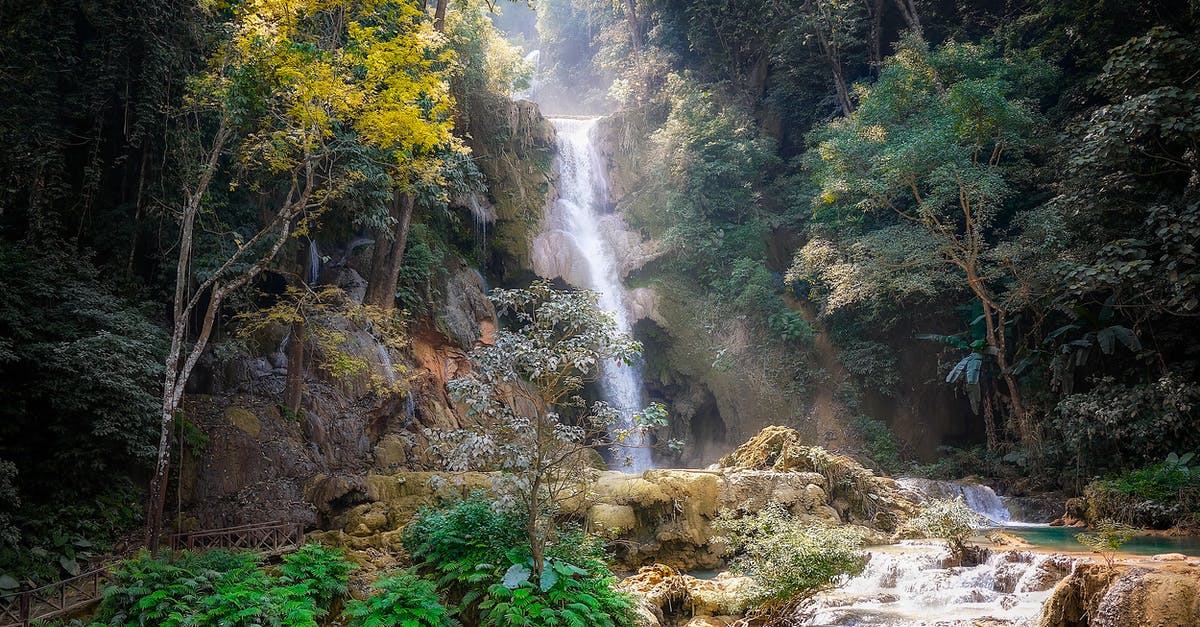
point(917, 583)
point(314, 262)
point(580, 178)
point(978, 497)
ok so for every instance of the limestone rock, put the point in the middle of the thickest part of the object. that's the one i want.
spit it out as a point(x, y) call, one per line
point(611, 519)
point(1092, 595)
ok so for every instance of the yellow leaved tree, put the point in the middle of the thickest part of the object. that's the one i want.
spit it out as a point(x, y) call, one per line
point(294, 94)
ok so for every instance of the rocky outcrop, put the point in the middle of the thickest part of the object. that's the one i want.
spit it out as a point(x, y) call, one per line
point(856, 493)
point(662, 516)
point(1093, 595)
point(248, 459)
point(514, 147)
point(668, 597)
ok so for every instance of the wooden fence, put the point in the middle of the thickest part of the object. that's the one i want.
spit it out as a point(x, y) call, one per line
point(17, 609)
point(56, 599)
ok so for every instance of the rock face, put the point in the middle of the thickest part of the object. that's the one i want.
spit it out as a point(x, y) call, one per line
point(514, 148)
point(1168, 596)
point(262, 463)
point(662, 516)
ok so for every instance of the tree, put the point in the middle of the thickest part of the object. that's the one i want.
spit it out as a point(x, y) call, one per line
point(290, 91)
point(524, 392)
point(932, 143)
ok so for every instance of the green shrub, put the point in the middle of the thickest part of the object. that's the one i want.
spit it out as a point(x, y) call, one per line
point(400, 600)
point(565, 594)
point(1106, 538)
point(460, 546)
point(948, 519)
point(788, 558)
point(224, 588)
point(1159, 495)
point(471, 551)
point(880, 443)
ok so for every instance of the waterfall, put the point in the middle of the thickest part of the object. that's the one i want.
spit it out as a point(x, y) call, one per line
point(977, 496)
point(534, 57)
point(580, 180)
point(410, 408)
point(385, 358)
point(314, 262)
point(916, 583)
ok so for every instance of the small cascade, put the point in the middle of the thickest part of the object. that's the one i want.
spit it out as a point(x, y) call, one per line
point(410, 408)
point(385, 358)
point(314, 262)
point(483, 214)
point(916, 584)
point(977, 496)
point(534, 58)
point(580, 199)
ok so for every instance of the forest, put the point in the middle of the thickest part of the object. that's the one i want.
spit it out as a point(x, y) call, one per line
point(584, 312)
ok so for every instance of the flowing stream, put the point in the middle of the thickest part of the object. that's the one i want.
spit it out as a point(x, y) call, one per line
point(581, 180)
point(917, 583)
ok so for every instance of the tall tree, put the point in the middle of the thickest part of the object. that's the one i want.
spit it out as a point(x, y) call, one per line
point(930, 143)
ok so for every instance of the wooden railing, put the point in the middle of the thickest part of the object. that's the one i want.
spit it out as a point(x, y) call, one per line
point(17, 609)
point(56, 599)
point(270, 538)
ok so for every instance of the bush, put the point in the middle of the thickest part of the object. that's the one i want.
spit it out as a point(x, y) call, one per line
point(401, 600)
point(880, 443)
point(948, 519)
point(1159, 495)
point(224, 588)
point(458, 547)
point(565, 594)
point(789, 559)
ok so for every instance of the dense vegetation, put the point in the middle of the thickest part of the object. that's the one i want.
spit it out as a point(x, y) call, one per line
point(1013, 188)
point(1013, 184)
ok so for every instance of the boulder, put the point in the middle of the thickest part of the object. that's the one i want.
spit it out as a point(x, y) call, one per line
point(1099, 596)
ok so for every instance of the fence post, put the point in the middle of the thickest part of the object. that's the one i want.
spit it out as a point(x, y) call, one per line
point(24, 602)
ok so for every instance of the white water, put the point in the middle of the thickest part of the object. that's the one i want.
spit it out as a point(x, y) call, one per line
point(580, 181)
point(977, 496)
point(314, 262)
point(909, 584)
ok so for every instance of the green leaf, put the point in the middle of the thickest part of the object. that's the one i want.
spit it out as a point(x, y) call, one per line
point(516, 575)
point(548, 579)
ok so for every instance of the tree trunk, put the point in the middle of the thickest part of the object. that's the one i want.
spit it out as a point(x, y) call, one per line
point(875, 34)
point(439, 16)
point(908, 9)
point(293, 390)
point(388, 256)
point(835, 66)
point(635, 31)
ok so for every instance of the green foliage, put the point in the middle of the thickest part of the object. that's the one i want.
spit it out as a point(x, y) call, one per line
point(788, 558)
point(880, 442)
point(457, 546)
point(947, 519)
point(1157, 495)
point(563, 594)
point(400, 600)
point(791, 327)
point(424, 271)
point(222, 588)
point(1106, 538)
point(1117, 425)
